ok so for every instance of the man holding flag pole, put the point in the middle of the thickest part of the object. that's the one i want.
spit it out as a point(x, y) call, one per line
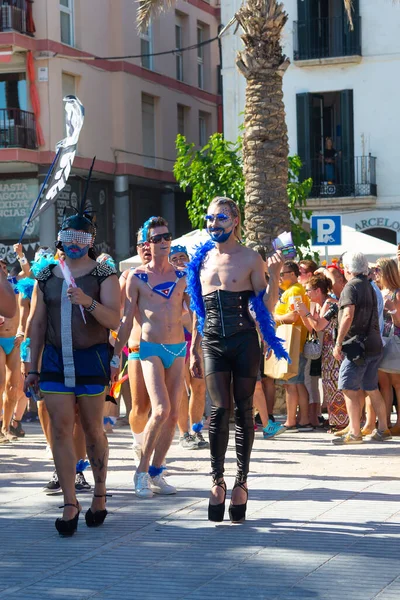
point(73, 308)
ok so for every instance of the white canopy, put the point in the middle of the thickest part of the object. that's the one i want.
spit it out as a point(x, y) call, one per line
point(352, 240)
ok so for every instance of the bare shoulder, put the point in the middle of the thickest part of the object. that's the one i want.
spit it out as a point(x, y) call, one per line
point(253, 257)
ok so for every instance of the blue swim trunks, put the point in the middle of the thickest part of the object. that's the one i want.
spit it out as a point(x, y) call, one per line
point(166, 352)
point(53, 387)
point(92, 369)
point(7, 344)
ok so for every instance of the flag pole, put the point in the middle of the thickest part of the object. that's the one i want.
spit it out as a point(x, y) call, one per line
point(39, 196)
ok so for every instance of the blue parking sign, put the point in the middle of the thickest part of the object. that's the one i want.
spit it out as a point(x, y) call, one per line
point(326, 231)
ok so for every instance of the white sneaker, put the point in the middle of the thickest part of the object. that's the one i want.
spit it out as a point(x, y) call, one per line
point(160, 486)
point(142, 485)
point(137, 453)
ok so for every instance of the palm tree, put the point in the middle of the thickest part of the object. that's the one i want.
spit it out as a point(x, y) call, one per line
point(265, 141)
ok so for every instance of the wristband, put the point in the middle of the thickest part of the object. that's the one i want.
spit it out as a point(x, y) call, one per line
point(33, 373)
point(92, 306)
point(308, 314)
point(20, 334)
point(338, 344)
point(23, 261)
point(115, 362)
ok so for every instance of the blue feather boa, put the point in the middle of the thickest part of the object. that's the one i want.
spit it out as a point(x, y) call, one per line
point(264, 320)
point(25, 287)
point(23, 350)
point(42, 262)
point(266, 325)
point(194, 284)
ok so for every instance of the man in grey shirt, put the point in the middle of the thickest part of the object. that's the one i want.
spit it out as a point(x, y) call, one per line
point(358, 320)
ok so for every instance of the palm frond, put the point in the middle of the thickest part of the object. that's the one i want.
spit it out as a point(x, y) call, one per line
point(148, 9)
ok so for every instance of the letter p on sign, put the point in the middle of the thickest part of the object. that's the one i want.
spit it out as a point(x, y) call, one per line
point(326, 231)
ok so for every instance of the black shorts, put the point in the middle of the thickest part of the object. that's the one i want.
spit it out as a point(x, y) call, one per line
point(239, 354)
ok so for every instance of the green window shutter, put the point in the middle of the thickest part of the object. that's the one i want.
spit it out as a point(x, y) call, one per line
point(303, 30)
point(303, 108)
point(347, 129)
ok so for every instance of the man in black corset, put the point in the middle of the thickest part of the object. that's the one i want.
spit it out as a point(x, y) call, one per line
point(228, 275)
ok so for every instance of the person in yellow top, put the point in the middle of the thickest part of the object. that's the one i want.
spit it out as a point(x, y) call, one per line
point(296, 392)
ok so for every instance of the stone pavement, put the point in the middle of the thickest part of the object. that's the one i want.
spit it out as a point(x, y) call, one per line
point(323, 523)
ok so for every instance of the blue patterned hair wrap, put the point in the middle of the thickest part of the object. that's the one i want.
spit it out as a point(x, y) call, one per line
point(145, 228)
point(265, 321)
point(42, 262)
point(154, 471)
point(23, 350)
point(25, 287)
point(197, 427)
point(82, 465)
point(178, 248)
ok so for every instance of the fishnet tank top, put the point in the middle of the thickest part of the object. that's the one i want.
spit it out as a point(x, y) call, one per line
point(83, 336)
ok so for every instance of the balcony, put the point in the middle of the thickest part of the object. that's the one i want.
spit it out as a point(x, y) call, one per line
point(326, 41)
point(17, 129)
point(344, 183)
point(16, 15)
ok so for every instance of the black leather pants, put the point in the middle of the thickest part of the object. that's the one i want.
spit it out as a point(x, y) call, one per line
point(231, 367)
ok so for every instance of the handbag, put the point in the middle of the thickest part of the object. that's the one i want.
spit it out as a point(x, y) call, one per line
point(390, 362)
point(312, 347)
point(354, 349)
point(282, 369)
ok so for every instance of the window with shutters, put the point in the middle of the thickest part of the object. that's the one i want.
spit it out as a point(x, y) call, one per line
point(178, 48)
point(67, 21)
point(148, 131)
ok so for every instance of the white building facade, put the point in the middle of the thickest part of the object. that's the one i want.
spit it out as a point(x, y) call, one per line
point(341, 95)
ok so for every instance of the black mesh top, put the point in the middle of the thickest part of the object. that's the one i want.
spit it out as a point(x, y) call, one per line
point(83, 336)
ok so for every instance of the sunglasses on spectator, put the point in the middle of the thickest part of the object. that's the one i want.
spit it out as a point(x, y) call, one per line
point(141, 244)
point(156, 239)
point(282, 273)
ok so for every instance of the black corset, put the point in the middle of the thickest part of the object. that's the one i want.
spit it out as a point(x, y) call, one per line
point(227, 313)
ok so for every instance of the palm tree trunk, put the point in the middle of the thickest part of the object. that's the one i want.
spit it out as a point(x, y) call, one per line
point(265, 141)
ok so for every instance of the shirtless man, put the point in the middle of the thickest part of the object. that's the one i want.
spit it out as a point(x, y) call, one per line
point(157, 292)
point(10, 368)
point(139, 413)
point(8, 303)
point(194, 396)
point(223, 276)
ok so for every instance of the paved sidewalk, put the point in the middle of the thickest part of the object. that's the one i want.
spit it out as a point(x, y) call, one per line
point(323, 523)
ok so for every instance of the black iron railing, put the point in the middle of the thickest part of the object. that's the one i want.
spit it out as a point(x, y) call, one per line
point(17, 129)
point(344, 177)
point(13, 15)
point(326, 38)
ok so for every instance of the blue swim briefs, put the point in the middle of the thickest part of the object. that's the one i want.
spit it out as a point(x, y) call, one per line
point(7, 344)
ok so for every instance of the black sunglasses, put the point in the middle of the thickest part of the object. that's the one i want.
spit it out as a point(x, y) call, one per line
point(156, 239)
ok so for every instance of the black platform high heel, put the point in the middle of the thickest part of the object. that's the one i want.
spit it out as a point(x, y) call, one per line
point(68, 528)
point(95, 519)
point(216, 511)
point(237, 512)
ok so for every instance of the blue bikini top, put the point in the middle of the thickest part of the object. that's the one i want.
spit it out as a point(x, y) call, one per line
point(162, 289)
